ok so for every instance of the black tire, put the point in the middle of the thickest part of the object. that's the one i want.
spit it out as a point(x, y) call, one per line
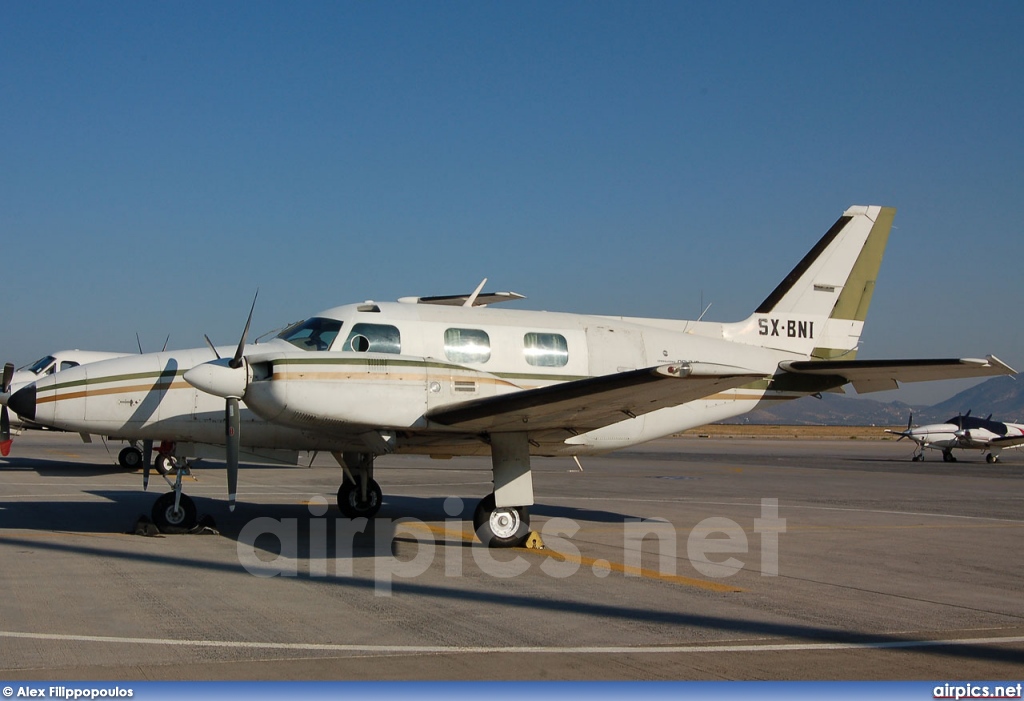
point(164, 464)
point(507, 527)
point(352, 506)
point(169, 521)
point(130, 458)
point(990, 458)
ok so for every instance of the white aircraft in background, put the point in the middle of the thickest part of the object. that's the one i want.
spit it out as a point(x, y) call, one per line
point(47, 365)
point(449, 376)
point(965, 432)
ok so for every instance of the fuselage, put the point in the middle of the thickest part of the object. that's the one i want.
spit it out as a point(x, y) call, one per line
point(388, 363)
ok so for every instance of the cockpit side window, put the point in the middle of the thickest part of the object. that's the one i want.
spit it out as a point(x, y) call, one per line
point(40, 365)
point(316, 334)
point(373, 338)
point(68, 364)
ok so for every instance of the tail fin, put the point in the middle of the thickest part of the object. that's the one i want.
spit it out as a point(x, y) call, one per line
point(819, 309)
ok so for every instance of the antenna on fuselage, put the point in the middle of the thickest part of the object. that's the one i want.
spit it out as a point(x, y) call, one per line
point(703, 307)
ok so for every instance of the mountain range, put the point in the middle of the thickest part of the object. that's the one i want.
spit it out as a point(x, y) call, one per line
point(1003, 397)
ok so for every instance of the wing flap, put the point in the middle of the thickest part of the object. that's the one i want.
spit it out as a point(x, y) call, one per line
point(594, 402)
point(878, 375)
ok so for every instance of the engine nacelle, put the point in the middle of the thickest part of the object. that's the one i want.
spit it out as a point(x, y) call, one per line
point(360, 389)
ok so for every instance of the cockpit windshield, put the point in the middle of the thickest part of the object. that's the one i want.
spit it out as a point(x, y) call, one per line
point(315, 334)
point(40, 365)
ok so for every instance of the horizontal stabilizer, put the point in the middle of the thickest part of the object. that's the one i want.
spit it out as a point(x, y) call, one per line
point(594, 402)
point(879, 375)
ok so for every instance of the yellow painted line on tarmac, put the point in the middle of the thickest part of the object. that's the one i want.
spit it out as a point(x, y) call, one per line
point(592, 562)
point(915, 526)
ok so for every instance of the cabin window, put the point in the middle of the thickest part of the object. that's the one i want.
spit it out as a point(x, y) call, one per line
point(316, 334)
point(374, 338)
point(546, 350)
point(467, 345)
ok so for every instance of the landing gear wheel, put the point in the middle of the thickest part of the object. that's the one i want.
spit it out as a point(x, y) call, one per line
point(506, 527)
point(918, 458)
point(164, 464)
point(167, 519)
point(130, 458)
point(948, 457)
point(351, 503)
point(990, 458)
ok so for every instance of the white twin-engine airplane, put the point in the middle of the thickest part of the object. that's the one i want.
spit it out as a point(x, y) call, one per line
point(965, 432)
point(448, 376)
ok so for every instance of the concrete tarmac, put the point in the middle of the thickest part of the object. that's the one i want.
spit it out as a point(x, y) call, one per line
point(686, 558)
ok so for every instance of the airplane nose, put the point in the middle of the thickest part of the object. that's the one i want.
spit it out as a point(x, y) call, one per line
point(23, 402)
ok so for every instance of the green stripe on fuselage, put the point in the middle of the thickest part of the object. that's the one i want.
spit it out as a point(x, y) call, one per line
point(161, 377)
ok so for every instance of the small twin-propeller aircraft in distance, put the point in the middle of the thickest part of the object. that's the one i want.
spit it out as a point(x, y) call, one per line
point(966, 432)
point(47, 365)
point(450, 376)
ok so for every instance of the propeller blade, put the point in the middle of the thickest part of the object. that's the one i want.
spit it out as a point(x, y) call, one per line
point(231, 428)
point(5, 432)
point(237, 360)
point(212, 347)
point(147, 462)
point(8, 376)
point(5, 417)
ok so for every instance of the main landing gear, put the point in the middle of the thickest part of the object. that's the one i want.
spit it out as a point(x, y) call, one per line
point(500, 520)
point(947, 456)
point(131, 457)
point(359, 495)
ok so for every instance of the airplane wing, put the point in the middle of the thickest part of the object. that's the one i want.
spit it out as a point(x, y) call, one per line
point(481, 300)
point(1007, 441)
point(878, 375)
point(594, 402)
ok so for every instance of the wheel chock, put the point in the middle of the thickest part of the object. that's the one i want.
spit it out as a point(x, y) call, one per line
point(533, 541)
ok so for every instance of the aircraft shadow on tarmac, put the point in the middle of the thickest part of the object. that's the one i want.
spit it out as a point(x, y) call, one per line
point(58, 468)
point(508, 598)
point(120, 510)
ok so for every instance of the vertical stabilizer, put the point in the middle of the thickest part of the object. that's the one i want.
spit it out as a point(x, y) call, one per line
point(819, 309)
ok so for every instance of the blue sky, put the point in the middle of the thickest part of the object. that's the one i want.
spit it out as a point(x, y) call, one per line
point(160, 161)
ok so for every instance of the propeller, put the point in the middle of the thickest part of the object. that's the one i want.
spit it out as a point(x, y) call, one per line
point(910, 423)
point(5, 417)
point(227, 378)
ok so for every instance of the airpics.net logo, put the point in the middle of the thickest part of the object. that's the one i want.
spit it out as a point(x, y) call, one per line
point(717, 547)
